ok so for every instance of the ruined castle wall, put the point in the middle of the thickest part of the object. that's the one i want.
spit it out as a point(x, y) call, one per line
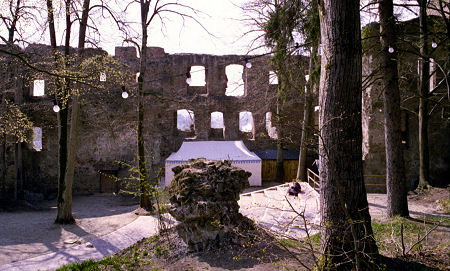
point(107, 138)
point(373, 113)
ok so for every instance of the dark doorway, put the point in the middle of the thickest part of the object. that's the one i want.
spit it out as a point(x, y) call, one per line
point(108, 181)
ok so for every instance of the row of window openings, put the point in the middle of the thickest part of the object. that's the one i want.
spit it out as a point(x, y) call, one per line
point(234, 72)
point(235, 80)
point(186, 122)
point(235, 85)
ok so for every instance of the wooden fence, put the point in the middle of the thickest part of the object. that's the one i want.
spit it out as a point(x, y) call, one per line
point(269, 170)
point(314, 181)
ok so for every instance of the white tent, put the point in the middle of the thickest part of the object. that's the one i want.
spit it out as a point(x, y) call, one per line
point(235, 151)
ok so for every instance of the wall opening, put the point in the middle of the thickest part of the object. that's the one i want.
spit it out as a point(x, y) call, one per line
point(273, 78)
point(103, 77)
point(38, 88)
point(217, 120)
point(271, 130)
point(217, 126)
point(246, 122)
point(108, 181)
point(235, 85)
point(198, 76)
point(37, 139)
point(432, 74)
point(185, 120)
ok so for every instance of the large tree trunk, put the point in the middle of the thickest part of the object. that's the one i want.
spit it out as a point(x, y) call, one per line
point(3, 164)
point(18, 168)
point(65, 210)
point(18, 193)
point(395, 167)
point(279, 177)
point(301, 170)
point(144, 187)
point(64, 215)
point(347, 237)
point(62, 116)
point(307, 119)
point(424, 85)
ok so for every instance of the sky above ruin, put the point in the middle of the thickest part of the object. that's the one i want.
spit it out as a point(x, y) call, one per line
point(224, 29)
point(221, 31)
point(219, 28)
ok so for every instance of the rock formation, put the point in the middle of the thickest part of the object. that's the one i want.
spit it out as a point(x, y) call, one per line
point(204, 199)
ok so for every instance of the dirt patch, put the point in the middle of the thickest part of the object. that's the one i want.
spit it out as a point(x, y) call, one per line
point(421, 203)
point(168, 251)
point(431, 198)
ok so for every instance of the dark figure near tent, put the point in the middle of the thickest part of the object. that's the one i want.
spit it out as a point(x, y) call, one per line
point(295, 189)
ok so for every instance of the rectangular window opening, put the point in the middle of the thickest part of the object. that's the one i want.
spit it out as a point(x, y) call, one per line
point(38, 88)
point(37, 139)
point(235, 84)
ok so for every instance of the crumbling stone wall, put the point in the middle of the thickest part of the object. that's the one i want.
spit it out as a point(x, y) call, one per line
point(108, 122)
point(373, 112)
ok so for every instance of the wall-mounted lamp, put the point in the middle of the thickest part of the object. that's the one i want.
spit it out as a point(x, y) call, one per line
point(56, 106)
point(248, 64)
point(433, 43)
point(124, 92)
point(188, 78)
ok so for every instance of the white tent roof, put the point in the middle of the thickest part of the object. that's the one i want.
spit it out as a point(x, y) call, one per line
point(213, 150)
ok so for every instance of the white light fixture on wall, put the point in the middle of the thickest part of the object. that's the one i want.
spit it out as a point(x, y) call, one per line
point(390, 49)
point(188, 78)
point(248, 64)
point(56, 106)
point(124, 92)
point(433, 44)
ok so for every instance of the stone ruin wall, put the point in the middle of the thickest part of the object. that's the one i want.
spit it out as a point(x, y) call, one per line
point(373, 115)
point(108, 122)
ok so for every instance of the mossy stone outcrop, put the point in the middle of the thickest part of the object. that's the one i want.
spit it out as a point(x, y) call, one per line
point(204, 197)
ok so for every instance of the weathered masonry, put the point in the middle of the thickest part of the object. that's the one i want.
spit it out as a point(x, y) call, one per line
point(224, 100)
point(439, 105)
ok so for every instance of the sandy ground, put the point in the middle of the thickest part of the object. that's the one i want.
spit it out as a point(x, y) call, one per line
point(25, 235)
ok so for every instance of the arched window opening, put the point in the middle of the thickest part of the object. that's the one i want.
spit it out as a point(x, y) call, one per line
point(246, 122)
point(137, 77)
point(271, 130)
